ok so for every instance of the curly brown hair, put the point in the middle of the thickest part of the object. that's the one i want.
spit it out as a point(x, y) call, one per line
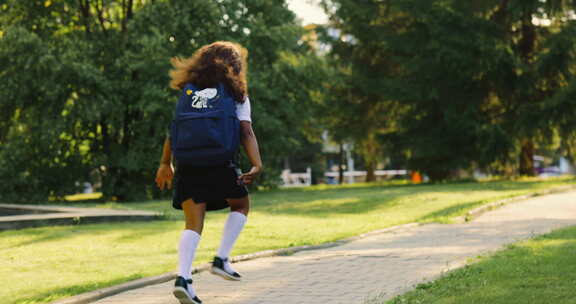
point(219, 62)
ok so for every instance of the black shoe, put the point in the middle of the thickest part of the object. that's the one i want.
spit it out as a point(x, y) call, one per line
point(181, 291)
point(218, 269)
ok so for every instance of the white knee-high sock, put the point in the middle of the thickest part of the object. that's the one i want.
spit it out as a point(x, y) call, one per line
point(232, 229)
point(186, 252)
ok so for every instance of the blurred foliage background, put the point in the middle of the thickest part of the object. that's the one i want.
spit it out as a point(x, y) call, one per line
point(437, 86)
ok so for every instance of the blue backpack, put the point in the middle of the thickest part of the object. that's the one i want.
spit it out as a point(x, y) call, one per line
point(205, 130)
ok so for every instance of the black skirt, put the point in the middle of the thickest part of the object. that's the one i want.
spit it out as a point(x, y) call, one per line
point(210, 185)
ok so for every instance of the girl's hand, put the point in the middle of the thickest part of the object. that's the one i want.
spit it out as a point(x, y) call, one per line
point(164, 176)
point(249, 177)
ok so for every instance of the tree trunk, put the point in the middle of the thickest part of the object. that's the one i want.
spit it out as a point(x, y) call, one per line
point(85, 12)
point(370, 150)
point(526, 48)
point(527, 157)
point(341, 165)
point(370, 172)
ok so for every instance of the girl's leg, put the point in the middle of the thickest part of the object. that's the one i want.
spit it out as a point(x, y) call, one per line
point(190, 238)
point(239, 208)
point(194, 214)
point(241, 205)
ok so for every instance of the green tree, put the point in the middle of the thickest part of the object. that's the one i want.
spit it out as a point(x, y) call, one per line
point(38, 158)
point(539, 35)
point(352, 109)
point(101, 68)
point(468, 79)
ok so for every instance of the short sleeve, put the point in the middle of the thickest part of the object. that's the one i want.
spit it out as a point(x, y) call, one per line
point(243, 110)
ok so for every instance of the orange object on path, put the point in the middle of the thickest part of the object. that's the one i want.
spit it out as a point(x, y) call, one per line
point(416, 177)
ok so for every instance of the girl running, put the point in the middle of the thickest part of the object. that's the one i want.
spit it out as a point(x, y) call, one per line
point(212, 74)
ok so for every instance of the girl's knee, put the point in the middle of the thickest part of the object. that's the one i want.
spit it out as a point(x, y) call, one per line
point(241, 209)
point(195, 228)
point(241, 205)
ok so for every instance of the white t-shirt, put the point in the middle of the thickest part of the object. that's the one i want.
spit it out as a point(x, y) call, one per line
point(243, 110)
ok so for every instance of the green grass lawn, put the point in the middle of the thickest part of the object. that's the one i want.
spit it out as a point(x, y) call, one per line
point(39, 265)
point(537, 271)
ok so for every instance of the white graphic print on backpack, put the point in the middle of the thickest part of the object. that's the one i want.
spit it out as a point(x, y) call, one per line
point(200, 98)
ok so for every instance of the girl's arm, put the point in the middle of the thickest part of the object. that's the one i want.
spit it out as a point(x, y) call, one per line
point(166, 158)
point(250, 144)
point(165, 172)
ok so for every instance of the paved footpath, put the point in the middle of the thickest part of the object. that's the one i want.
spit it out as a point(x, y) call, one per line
point(387, 264)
